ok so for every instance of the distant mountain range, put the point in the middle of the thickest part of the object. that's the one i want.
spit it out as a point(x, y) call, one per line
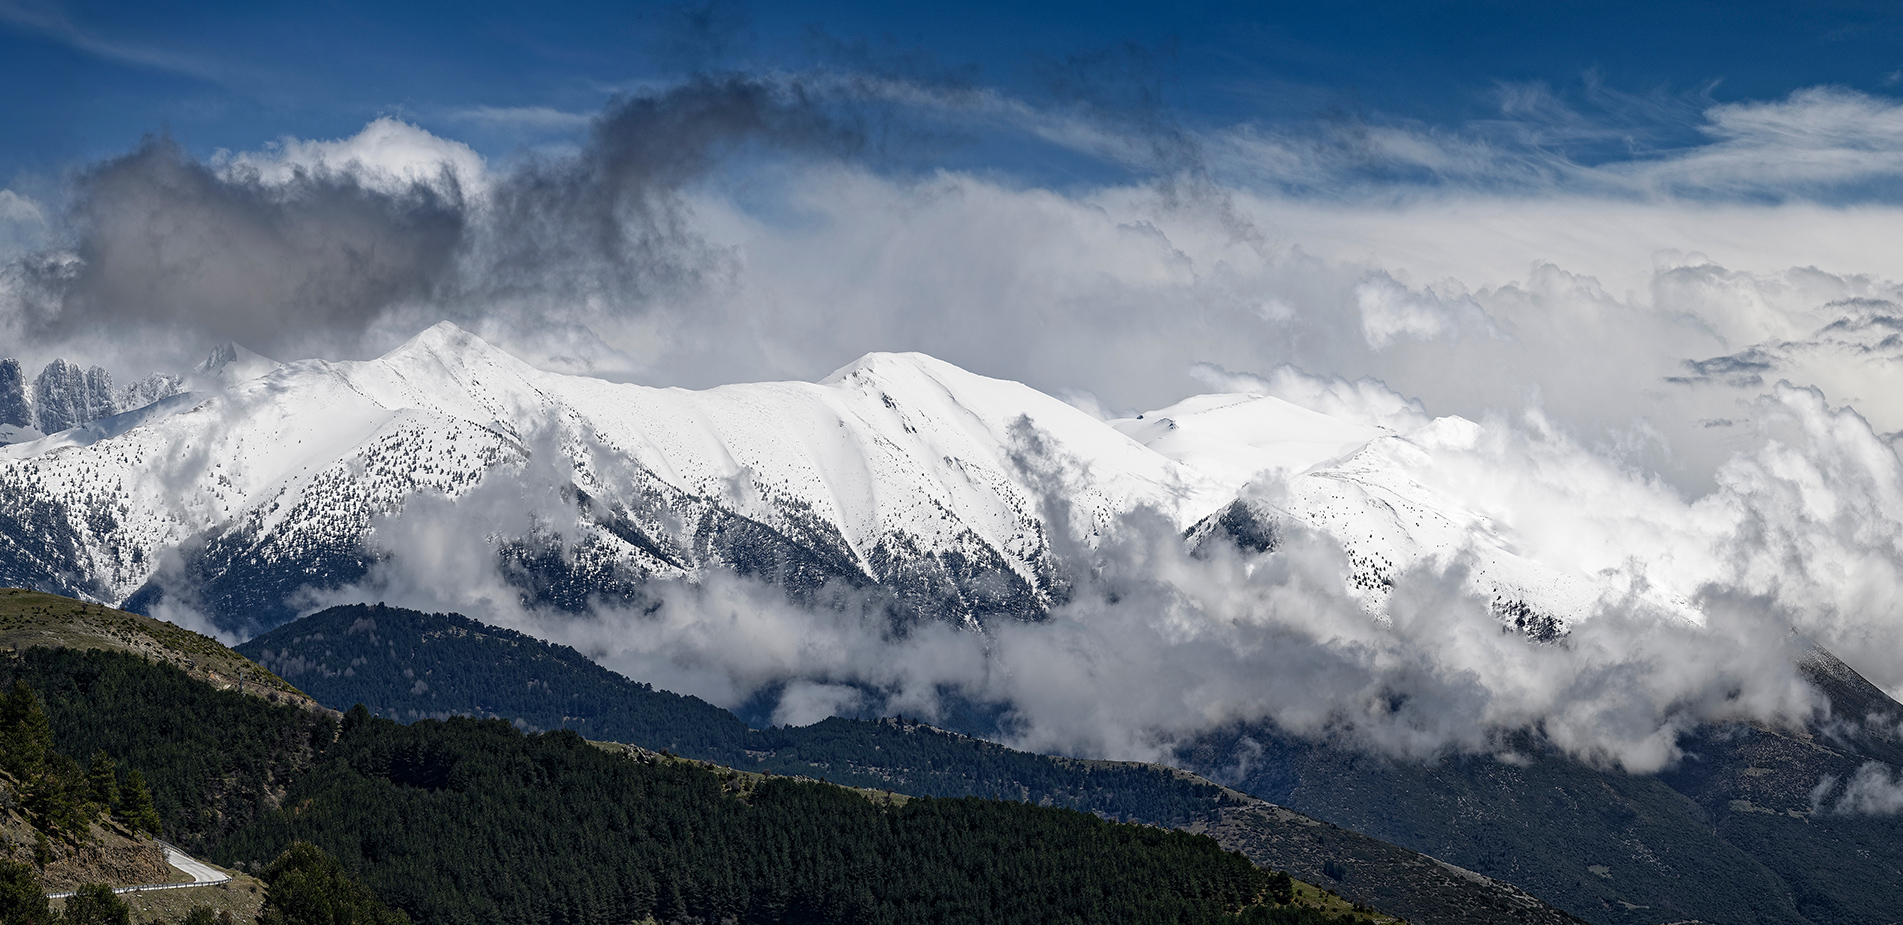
point(899, 477)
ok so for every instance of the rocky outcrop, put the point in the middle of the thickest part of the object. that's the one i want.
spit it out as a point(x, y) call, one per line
point(121, 862)
point(106, 853)
point(65, 396)
point(14, 410)
point(147, 390)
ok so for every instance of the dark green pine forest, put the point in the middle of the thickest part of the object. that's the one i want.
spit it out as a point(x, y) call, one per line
point(462, 818)
point(215, 761)
point(475, 821)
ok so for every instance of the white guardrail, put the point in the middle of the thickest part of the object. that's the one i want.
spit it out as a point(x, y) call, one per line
point(202, 874)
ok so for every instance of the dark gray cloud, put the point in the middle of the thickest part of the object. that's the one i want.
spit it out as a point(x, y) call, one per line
point(608, 227)
point(163, 239)
point(303, 250)
point(1741, 370)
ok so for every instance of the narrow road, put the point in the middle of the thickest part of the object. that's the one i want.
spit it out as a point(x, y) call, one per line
point(202, 874)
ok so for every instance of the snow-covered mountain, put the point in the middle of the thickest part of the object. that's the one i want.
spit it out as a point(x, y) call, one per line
point(899, 474)
point(1392, 500)
point(919, 484)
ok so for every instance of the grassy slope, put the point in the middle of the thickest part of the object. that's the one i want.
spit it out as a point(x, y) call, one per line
point(1374, 871)
point(31, 618)
point(243, 898)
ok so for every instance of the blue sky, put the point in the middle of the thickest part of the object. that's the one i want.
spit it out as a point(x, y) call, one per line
point(1632, 218)
point(85, 80)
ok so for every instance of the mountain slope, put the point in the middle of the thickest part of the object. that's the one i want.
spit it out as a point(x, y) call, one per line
point(218, 736)
point(470, 821)
point(408, 665)
point(1749, 827)
point(900, 483)
point(1393, 501)
point(1731, 835)
point(31, 619)
point(204, 746)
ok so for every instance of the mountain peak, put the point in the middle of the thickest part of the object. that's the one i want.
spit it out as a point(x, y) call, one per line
point(450, 347)
point(441, 337)
point(231, 362)
point(880, 365)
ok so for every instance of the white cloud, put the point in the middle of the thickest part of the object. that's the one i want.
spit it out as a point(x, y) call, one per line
point(1817, 136)
point(804, 703)
point(1875, 790)
point(17, 208)
point(1365, 400)
point(23, 224)
point(1391, 312)
point(388, 155)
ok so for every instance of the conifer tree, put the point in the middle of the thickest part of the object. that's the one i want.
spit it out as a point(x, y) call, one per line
point(21, 899)
point(305, 886)
point(103, 777)
point(135, 805)
point(95, 904)
point(25, 734)
point(1282, 888)
point(202, 915)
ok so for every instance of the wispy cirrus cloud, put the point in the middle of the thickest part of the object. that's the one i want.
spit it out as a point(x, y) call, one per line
point(51, 20)
point(523, 118)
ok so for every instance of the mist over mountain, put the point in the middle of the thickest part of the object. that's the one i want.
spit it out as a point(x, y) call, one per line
point(905, 536)
point(1486, 399)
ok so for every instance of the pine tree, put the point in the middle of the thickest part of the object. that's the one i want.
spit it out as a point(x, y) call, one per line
point(201, 915)
point(95, 904)
point(305, 886)
point(1281, 888)
point(25, 734)
point(135, 805)
point(103, 777)
point(21, 899)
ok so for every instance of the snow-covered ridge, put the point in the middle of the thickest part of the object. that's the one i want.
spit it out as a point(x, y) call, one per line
point(1393, 501)
point(896, 469)
point(898, 473)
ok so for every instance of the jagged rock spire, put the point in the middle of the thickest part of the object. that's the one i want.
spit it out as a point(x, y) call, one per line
point(14, 410)
point(65, 396)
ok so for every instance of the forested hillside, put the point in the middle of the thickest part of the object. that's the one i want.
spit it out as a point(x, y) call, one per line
point(404, 664)
point(475, 821)
point(215, 760)
point(470, 821)
point(65, 821)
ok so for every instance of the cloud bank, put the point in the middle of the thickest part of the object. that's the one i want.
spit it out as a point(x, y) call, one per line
point(1681, 361)
point(1160, 642)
